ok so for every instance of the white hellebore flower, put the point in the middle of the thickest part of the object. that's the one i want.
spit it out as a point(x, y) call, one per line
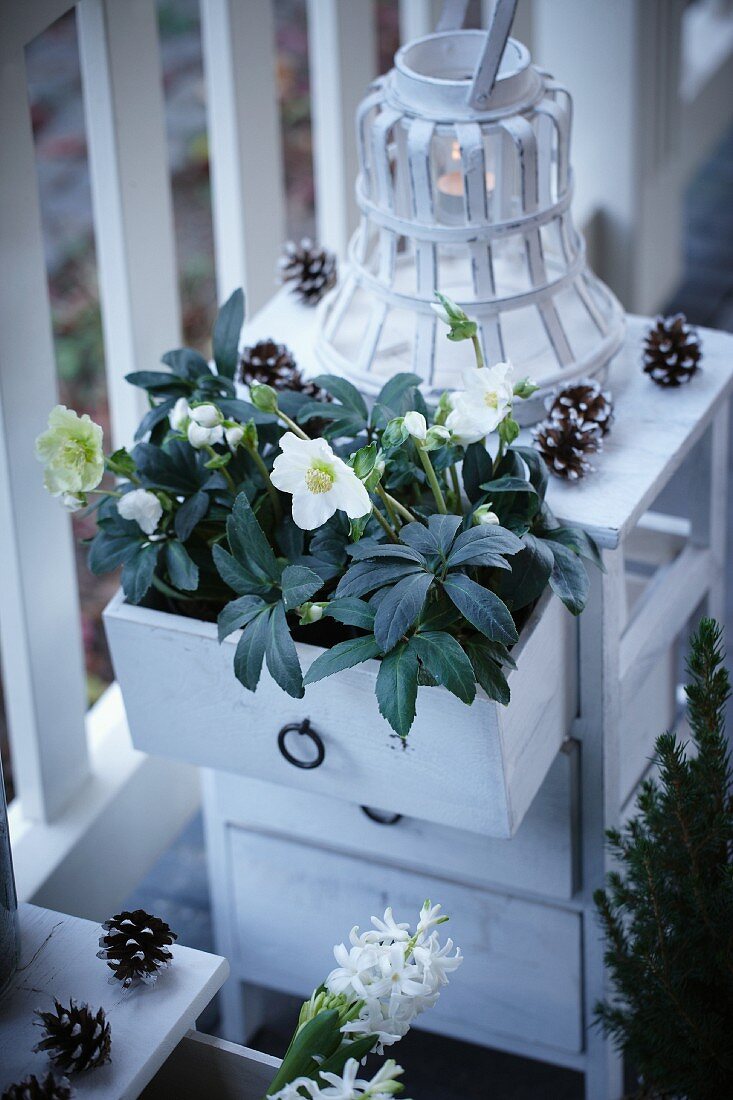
point(416, 425)
point(319, 481)
point(143, 507)
point(71, 451)
point(199, 436)
point(482, 405)
point(179, 415)
point(73, 503)
point(234, 436)
point(208, 416)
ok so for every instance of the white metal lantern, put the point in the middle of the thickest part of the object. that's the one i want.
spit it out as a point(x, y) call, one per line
point(465, 188)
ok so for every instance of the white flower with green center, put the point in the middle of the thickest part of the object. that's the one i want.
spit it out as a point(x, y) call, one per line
point(319, 481)
point(480, 407)
point(71, 451)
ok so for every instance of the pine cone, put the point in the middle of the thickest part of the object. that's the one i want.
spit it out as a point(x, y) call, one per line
point(75, 1038)
point(136, 946)
point(672, 351)
point(30, 1088)
point(274, 365)
point(592, 404)
point(312, 269)
point(564, 445)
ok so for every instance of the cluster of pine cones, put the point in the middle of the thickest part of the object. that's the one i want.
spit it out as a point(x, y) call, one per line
point(579, 415)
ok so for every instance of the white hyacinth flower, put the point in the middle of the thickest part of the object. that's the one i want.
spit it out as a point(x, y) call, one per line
point(199, 436)
point(346, 1085)
point(416, 425)
point(319, 481)
point(208, 416)
point(481, 406)
point(143, 507)
point(179, 415)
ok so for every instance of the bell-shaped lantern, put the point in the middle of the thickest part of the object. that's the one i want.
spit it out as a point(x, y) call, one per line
point(465, 188)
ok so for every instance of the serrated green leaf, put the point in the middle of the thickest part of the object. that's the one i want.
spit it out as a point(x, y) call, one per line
point(154, 416)
point(158, 381)
point(531, 569)
point(341, 656)
point(569, 579)
point(399, 609)
point(238, 613)
point(367, 576)
point(481, 607)
point(363, 461)
point(250, 651)
point(368, 550)
point(110, 549)
point(395, 398)
point(352, 612)
point(239, 579)
point(508, 485)
point(488, 673)
point(444, 529)
point(298, 584)
point(282, 656)
point(477, 467)
point(344, 392)
point(182, 570)
point(396, 688)
point(491, 540)
point(445, 660)
point(579, 541)
point(227, 330)
point(538, 472)
point(137, 572)
point(248, 543)
point(191, 512)
point(187, 364)
point(121, 463)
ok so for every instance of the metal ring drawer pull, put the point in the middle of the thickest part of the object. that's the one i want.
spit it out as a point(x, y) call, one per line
point(303, 728)
point(381, 816)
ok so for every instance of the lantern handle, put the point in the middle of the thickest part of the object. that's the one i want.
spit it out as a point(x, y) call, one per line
point(451, 18)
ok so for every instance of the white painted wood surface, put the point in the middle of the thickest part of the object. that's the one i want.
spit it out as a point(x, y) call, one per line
point(540, 859)
point(519, 979)
point(131, 195)
point(43, 673)
point(58, 959)
point(245, 145)
point(202, 1067)
point(498, 755)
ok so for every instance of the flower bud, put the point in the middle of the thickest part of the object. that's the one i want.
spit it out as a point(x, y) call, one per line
point(416, 425)
point(311, 613)
point(460, 324)
point(437, 436)
point(73, 502)
point(445, 407)
point(179, 415)
point(395, 433)
point(250, 438)
point(199, 436)
point(483, 516)
point(263, 397)
point(234, 436)
point(525, 388)
point(207, 416)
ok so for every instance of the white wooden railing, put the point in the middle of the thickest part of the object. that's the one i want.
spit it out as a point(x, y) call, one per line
point(81, 788)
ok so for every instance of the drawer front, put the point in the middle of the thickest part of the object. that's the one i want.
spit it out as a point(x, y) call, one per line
point(542, 857)
point(470, 768)
point(522, 975)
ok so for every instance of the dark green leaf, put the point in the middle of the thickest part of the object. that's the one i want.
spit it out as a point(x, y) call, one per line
point(341, 656)
point(174, 469)
point(238, 613)
point(110, 549)
point(446, 661)
point(439, 613)
point(239, 578)
point(538, 473)
point(444, 529)
point(400, 608)
point(363, 461)
point(182, 570)
point(250, 651)
point(191, 512)
point(531, 570)
point(248, 543)
point(577, 539)
point(187, 364)
point(154, 416)
point(488, 673)
point(477, 467)
point(290, 539)
point(298, 584)
point(121, 463)
point(481, 607)
point(358, 1049)
point(396, 688)
point(487, 539)
point(420, 538)
point(569, 579)
point(137, 573)
point(369, 550)
point(366, 576)
point(352, 612)
point(227, 330)
point(158, 381)
point(508, 485)
point(321, 1037)
point(282, 657)
point(395, 398)
point(344, 392)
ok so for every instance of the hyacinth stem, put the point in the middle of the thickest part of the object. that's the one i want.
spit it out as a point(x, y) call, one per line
point(477, 350)
point(265, 473)
point(432, 478)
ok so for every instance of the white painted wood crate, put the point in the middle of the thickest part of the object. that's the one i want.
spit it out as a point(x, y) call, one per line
point(476, 768)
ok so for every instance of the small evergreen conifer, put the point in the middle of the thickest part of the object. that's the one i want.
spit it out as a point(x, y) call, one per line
point(667, 912)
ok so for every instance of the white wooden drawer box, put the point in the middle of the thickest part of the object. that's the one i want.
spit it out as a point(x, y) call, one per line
point(522, 977)
point(476, 768)
point(542, 858)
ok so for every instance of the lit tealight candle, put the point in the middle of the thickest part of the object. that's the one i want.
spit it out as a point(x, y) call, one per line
point(451, 190)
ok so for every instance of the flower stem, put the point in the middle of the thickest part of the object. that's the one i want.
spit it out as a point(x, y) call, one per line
point(391, 512)
point(456, 487)
point(499, 456)
point(291, 424)
point(431, 476)
point(400, 509)
point(477, 350)
point(383, 523)
point(229, 479)
point(265, 473)
point(106, 492)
